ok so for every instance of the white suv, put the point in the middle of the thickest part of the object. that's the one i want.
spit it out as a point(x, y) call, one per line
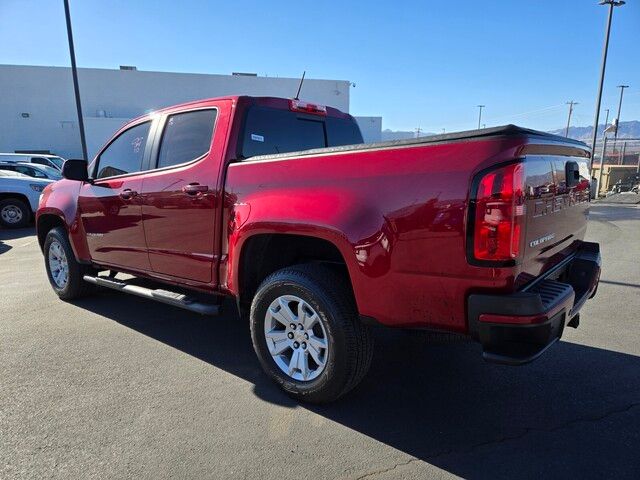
point(19, 197)
point(49, 160)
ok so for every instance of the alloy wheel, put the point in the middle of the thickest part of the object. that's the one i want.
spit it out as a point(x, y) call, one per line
point(296, 338)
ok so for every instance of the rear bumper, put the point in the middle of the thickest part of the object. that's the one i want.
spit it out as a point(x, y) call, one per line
point(517, 328)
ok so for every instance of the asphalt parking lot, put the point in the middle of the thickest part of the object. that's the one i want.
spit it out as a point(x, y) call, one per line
point(116, 386)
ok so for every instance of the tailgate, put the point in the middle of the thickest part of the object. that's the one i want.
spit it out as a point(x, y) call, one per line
point(556, 212)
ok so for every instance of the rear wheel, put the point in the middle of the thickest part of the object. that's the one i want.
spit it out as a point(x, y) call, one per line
point(63, 270)
point(307, 333)
point(14, 213)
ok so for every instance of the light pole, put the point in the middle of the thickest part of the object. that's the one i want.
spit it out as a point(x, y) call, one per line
point(621, 87)
point(604, 152)
point(612, 4)
point(74, 73)
point(571, 104)
point(480, 107)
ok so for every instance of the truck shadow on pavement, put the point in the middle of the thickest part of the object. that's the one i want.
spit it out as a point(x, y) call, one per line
point(576, 411)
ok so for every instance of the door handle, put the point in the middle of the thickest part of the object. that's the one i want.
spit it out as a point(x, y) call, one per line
point(128, 194)
point(195, 189)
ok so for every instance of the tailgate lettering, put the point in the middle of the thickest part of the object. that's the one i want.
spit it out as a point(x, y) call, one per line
point(545, 206)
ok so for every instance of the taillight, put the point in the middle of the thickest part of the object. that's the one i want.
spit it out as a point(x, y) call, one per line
point(306, 107)
point(499, 214)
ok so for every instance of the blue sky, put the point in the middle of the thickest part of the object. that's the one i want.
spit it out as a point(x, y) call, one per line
point(416, 63)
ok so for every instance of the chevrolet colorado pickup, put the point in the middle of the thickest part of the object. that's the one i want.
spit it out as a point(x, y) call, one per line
point(318, 237)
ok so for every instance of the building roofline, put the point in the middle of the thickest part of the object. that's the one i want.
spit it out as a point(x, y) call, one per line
point(131, 72)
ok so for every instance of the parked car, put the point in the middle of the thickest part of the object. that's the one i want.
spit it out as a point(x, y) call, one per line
point(19, 195)
point(32, 170)
point(277, 203)
point(52, 161)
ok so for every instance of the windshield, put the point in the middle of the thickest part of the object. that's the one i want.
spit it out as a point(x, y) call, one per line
point(50, 171)
point(57, 161)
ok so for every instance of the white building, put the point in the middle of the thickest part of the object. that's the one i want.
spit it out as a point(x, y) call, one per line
point(38, 112)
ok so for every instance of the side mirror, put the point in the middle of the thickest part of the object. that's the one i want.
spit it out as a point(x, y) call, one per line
point(75, 170)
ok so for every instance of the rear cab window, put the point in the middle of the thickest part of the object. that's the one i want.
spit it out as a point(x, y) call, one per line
point(270, 131)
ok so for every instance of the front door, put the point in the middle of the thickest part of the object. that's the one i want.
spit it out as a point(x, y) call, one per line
point(110, 206)
point(179, 196)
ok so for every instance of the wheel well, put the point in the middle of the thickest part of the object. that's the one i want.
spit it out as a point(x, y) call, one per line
point(266, 253)
point(45, 224)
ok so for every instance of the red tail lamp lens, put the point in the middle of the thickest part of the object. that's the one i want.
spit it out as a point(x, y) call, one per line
point(500, 214)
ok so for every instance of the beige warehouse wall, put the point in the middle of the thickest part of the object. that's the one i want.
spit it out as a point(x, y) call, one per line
point(45, 96)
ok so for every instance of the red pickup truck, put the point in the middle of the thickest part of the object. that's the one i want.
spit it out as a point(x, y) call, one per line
point(318, 237)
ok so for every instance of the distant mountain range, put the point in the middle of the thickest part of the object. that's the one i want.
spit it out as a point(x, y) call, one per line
point(629, 129)
point(401, 135)
point(625, 130)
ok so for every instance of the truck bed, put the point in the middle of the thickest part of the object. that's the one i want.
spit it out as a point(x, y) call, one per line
point(509, 130)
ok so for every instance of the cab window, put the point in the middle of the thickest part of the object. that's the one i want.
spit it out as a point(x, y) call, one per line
point(270, 130)
point(124, 155)
point(186, 136)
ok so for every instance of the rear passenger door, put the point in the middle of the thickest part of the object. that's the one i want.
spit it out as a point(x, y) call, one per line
point(181, 193)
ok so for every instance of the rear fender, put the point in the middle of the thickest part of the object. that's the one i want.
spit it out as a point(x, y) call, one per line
point(358, 231)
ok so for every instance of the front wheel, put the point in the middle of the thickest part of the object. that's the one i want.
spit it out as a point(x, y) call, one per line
point(64, 271)
point(307, 333)
point(14, 213)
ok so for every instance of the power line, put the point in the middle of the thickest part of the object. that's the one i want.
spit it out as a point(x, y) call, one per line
point(538, 110)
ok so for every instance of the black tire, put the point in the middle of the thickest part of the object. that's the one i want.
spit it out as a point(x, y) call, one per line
point(75, 286)
point(24, 212)
point(350, 343)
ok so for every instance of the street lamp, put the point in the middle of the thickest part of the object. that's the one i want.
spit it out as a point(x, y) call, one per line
point(612, 4)
point(612, 127)
point(480, 107)
point(74, 73)
point(621, 87)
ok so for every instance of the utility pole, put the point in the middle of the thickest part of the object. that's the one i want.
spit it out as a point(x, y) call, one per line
point(621, 87)
point(606, 119)
point(624, 152)
point(480, 107)
point(418, 130)
point(612, 4)
point(571, 104)
point(76, 88)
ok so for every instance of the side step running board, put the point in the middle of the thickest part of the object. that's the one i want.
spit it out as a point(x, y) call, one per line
point(170, 298)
